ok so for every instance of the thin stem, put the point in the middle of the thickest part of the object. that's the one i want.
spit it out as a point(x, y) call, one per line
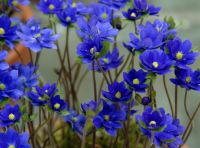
point(110, 76)
point(185, 104)
point(191, 120)
point(102, 71)
point(100, 88)
point(94, 83)
point(168, 96)
point(176, 102)
point(94, 138)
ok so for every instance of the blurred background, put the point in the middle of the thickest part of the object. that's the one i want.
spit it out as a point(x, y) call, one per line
point(186, 14)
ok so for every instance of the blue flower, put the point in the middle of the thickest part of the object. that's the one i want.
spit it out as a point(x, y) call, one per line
point(67, 16)
point(170, 135)
point(140, 9)
point(15, 3)
point(79, 6)
point(181, 52)
point(3, 64)
point(151, 36)
point(115, 4)
point(110, 61)
point(47, 89)
point(36, 99)
point(35, 37)
point(50, 6)
point(10, 115)
point(7, 31)
point(42, 94)
point(136, 80)
point(101, 12)
point(152, 121)
point(12, 139)
point(109, 118)
point(95, 29)
point(145, 8)
point(10, 86)
point(91, 105)
point(89, 49)
point(117, 92)
point(160, 127)
point(77, 121)
point(27, 75)
point(57, 104)
point(187, 78)
point(156, 61)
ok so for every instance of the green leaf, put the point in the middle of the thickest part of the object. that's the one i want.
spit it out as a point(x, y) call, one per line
point(106, 46)
point(138, 97)
point(3, 102)
point(170, 20)
point(33, 117)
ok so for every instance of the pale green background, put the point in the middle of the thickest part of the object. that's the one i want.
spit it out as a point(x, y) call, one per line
point(186, 13)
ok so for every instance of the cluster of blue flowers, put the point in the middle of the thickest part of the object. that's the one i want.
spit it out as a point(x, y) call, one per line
point(160, 51)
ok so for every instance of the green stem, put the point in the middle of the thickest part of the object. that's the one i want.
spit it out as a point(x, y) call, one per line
point(102, 71)
point(168, 96)
point(176, 102)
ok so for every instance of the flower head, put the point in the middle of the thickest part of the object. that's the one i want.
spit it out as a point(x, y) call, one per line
point(156, 61)
point(187, 78)
point(109, 118)
point(9, 115)
point(50, 6)
point(57, 104)
point(115, 4)
point(27, 75)
point(47, 90)
point(36, 99)
point(35, 37)
point(95, 29)
point(10, 86)
point(91, 105)
point(89, 49)
point(3, 64)
point(67, 16)
point(181, 52)
point(136, 80)
point(110, 61)
point(117, 92)
point(101, 12)
point(7, 31)
point(12, 139)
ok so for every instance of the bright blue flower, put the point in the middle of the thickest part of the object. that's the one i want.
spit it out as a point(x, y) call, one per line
point(145, 8)
point(27, 75)
point(95, 29)
point(50, 6)
point(101, 12)
point(132, 14)
point(79, 6)
point(115, 4)
point(42, 94)
point(77, 121)
point(35, 37)
point(151, 36)
point(181, 52)
point(117, 92)
point(140, 9)
point(67, 16)
point(170, 135)
point(145, 100)
point(57, 104)
point(156, 61)
point(109, 118)
point(14, 3)
point(91, 105)
point(187, 78)
point(152, 121)
point(110, 61)
point(36, 99)
point(7, 31)
point(47, 89)
point(136, 80)
point(89, 49)
point(3, 64)
point(10, 85)
point(10, 115)
point(12, 139)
